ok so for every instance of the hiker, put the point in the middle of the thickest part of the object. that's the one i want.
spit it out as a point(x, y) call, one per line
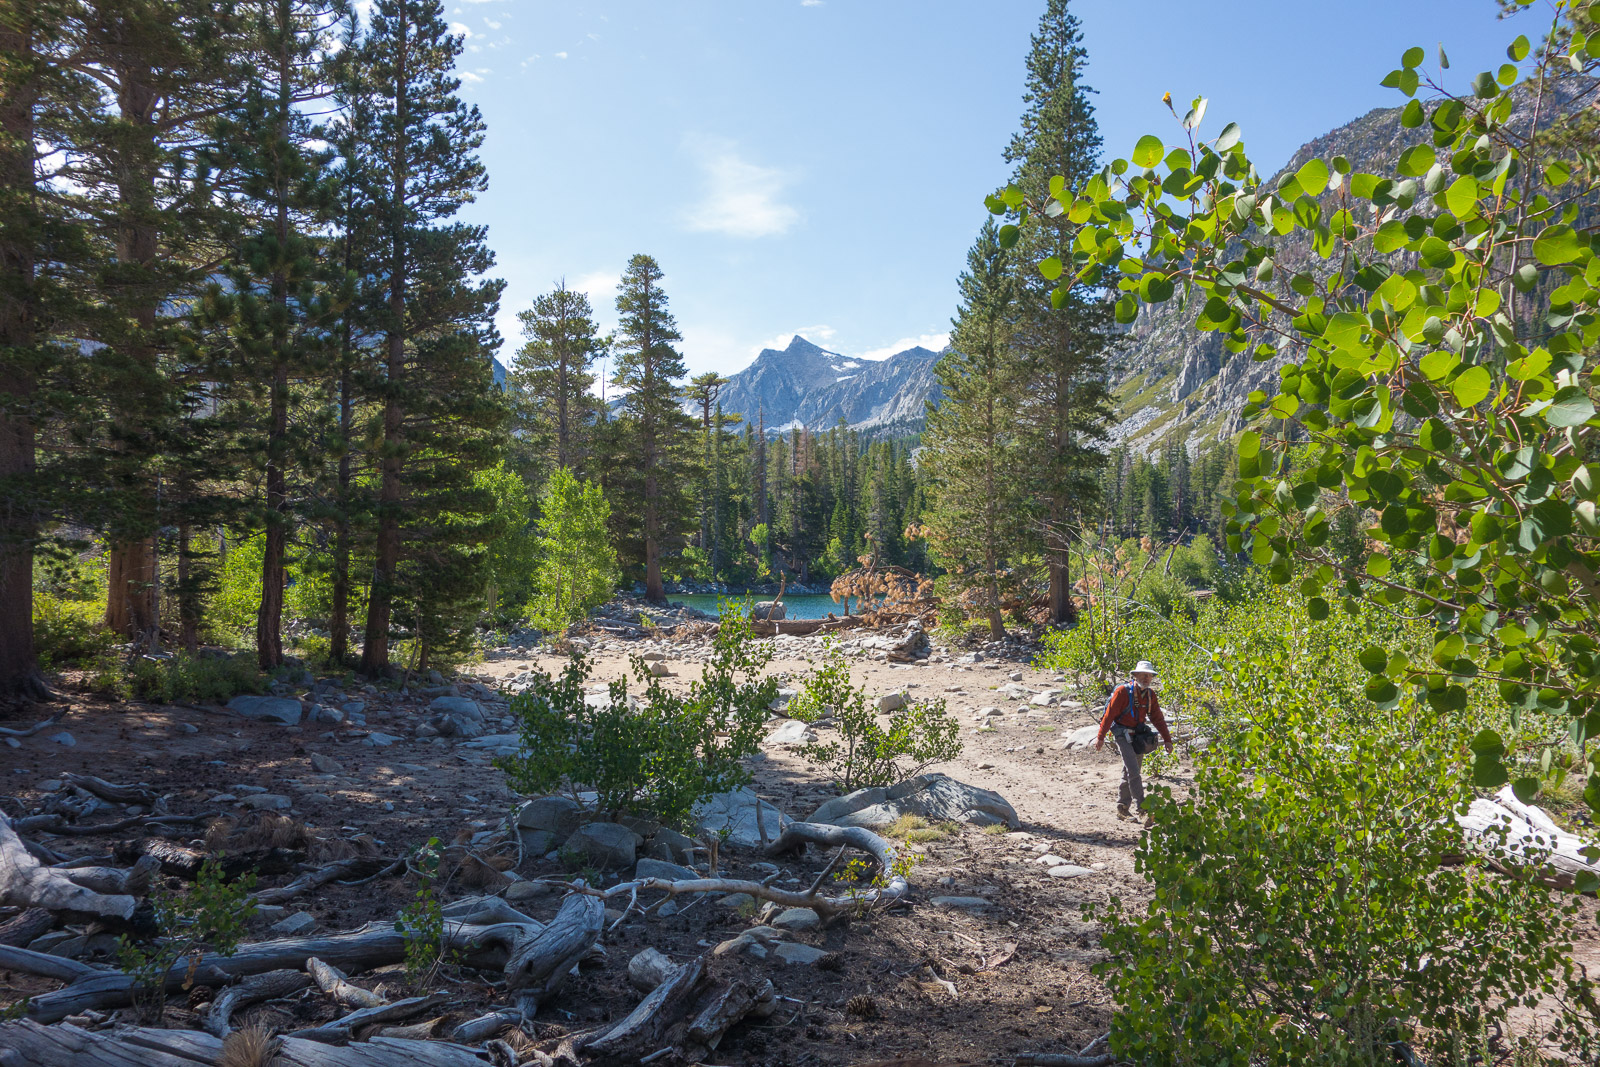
point(1130, 711)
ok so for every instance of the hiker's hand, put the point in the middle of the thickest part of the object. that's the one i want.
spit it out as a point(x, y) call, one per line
point(1169, 748)
point(1099, 743)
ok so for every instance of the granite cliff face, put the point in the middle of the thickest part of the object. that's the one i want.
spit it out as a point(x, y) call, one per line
point(804, 385)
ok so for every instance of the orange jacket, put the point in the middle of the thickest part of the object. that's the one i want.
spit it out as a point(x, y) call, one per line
point(1144, 707)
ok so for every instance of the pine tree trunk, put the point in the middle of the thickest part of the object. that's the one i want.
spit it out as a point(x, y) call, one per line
point(131, 590)
point(19, 669)
point(269, 617)
point(188, 596)
point(339, 621)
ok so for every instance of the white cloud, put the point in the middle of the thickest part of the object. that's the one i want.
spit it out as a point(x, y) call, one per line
point(492, 24)
point(561, 55)
point(742, 199)
point(599, 285)
point(819, 335)
point(810, 3)
point(931, 341)
point(461, 29)
point(471, 77)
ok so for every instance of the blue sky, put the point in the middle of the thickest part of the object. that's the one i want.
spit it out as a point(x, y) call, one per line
point(819, 166)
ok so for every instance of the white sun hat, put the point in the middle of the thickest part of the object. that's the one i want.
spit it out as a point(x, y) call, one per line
point(1145, 667)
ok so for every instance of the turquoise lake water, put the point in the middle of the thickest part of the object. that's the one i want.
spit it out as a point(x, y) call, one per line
point(808, 606)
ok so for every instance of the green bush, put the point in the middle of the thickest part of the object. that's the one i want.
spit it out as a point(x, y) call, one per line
point(210, 914)
point(661, 757)
point(182, 679)
point(576, 566)
point(1310, 906)
point(68, 632)
point(918, 735)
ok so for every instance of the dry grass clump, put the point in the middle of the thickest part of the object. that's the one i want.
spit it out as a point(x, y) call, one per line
point(253, 1046)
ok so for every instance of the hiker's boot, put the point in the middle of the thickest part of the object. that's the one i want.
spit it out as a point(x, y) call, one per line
point(1123, 812)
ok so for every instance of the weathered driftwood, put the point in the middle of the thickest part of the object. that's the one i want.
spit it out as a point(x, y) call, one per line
point(341, 871)
point(373, 945)
point(25, 883)
point(11, 731)
point(1063, 1059)
point(56, 823)
point(539, 964)
point(341, 1030)
point(649, 969)
point(805, 627)
point(253, 990)
point(726, 1006)
point(332, 981)
point(135, 881)
point(62, 969)
point(1524, 834)
point(183, 862)
point(794, 837)
point(117, 794)
point(642, 1031)
point(23, 929)
point(27, 1044)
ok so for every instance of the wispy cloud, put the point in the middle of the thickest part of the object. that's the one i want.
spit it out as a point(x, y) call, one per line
point(742, 199)
point(932, 341)
point(561, 55)
point(461, 29)
point(820, 335)
point(470, 77)
point(810, 3)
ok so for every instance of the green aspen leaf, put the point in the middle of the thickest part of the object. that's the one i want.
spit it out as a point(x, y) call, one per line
point(1588, 517)
point(1416, 160)
point(1572, 407)
point(1313, 177)
point(1196, 114)
point(1156, 287)
point(1249, 444)
point(1148, 152)
point(1058, 297)
point(1488, 743)
point(1344, 330)
point(1559, 244)
point(1058, 185)
point(1391, 237)
point(1434, 435)
point(1462, 196)
point(1127, 309)
point(1317, 608)
point(1485, 87)
point(1507, 74)
point(1013, 197)
point(1471, 386)
point(1438, 363)
point(1050, 268)
point(1009, 235)
point(1444, 60)
point(1525, 789)
point(1557, 173)
point(1437, 254)
point(1485, 528)
point(1413, 115)
point(1518, 51)
point(1377, 565)
point(995, 205)
point(1413, 57)
point(1374, 659)
point(1488, 772)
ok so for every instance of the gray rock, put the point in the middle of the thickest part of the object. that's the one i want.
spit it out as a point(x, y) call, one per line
point(323, 713)
point(267, 802)
point(769, 611)
point(669, 845)
point(457, 708)
point(188, 727)
point(734, 816)
point(737, 900)
point(792, 732)
point(962, 903)
point(932, 796)
point(672, 872)
point(557, 815)
point(353, 707)
point(538, 842)
point(805, 955)
point(1046, 698)
point(1082, 737)
point(426, 730)
point(380, 740)
point(660, 670)
point(1069, 870)
point(891, 702)
point(607, 845)
point(267, 709)
point(271, 913)
point(325, 764)
point(465, 728)
point(797, 919)
point(46, 942)
point(519, 891)
point(64, 738)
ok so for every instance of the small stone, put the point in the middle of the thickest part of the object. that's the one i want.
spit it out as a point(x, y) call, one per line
point(247, 790)
point(457, 708)
point(388, 805)
point(188, 727)
point(295, 924)
point(353, 707)
point(1069, 870)
point(519, 891)
point(380, 740)
point(962, 903)
point(792, 732)
point(425, 730)
point(1049, 859)
point(64, 738)
point(790, 952)
point(325, 764)
point(271, 913)
point(608, 845)
point(1014, 676)
point(797, 919)
point(51, 785)
point(280, 710)
point(267, 802)
point(891, 702)
point(323, 713)
point(315, 798)
point(224, 798)
point(670, 872)
point(737, 900)
point(660, 670)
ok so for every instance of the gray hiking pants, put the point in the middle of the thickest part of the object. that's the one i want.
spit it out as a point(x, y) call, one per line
point(1132, 789)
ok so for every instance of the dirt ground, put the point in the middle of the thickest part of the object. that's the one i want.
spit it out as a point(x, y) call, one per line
point(911, 985)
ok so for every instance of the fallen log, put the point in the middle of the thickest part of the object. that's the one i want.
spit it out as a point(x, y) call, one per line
point(805, 627)
point(1063, 1059)
point(727, 1006)
point(25, 883)
point(183, 862)
point(256, 988)
point(9, 731)
point(341, 871)
point(117, 794)
point(28, 1044)
point(332, 981)
point(342, 1030)
point(27, 927)
point(642, 1030)
point(57, 824)
point(134, 881)
point(62, 969)
point(1523, 834)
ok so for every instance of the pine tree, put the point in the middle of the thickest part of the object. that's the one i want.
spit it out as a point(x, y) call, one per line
point(283, 292)
point(977, 520)
point(551, 378)
point(702, 391)
point(657, 429)
point(441, 421)
point(1061, 340)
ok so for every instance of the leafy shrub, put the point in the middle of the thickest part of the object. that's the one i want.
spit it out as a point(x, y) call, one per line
point(180, 679)
point(231, 610)
point(1304, 911)
point(210, 914)
point(918, 735)
point(658, 758)
point(68, 631)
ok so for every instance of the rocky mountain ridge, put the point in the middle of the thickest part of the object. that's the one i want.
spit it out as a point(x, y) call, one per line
point(807, 385)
